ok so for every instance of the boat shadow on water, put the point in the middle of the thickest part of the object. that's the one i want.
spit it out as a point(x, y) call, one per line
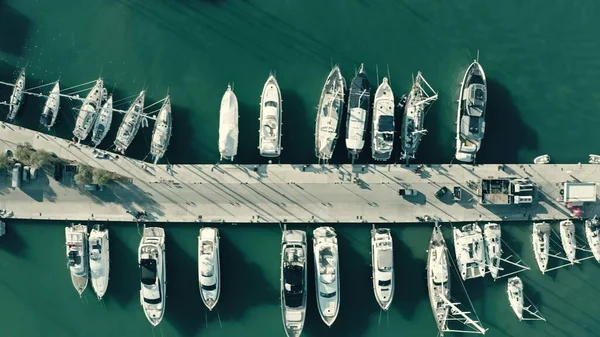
point(297, 119)
point(11, 242)
point(247, 151)
point(124, 285)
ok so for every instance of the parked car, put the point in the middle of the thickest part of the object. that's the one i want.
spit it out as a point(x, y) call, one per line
point(92, 187)
point(442, 192)
point(407, 192)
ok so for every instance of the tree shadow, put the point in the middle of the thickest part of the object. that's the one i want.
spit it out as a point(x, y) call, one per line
point(129, 196)
point(123, 266)
point(39, 189)
point(11, 242)
point(19, 27)
point(295, 126)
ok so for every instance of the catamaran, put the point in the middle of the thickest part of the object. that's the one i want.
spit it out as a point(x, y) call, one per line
point(16, 98)
point(161, 135)
point(358, 112)
point(293, 281)
point(269, 143)
point(493, 247)
point(592, 233)
point(102, 125)
point(382, 261)
point(383, 127)
point(567, 238)
point(515, 296)
point(438, 277)
point(327, 276)
point(99, 260)
point(77, 256)
point(470, 123)
point(329, 114)
point(469, 249)
point(89, 111)
point(50, 112)
point(421, 95)
point(153, 276)
point(130, 124)
point(540, 239)
point(209, 266)
point(228, 125)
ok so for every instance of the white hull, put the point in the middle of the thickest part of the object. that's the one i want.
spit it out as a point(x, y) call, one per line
point(515, 296)
point(540, 239)
point(359, 101)
point(130, 124)
point(382, 262)
point(493, 247)
point(77, 256)
point(329, 114)
point(327, 279)
point(161, 135)
point(293, 281)
point(51, 107)
point(86, 118)
point(469, 249)
point(99, 261)
point(592, 234)
point(466, 149)
point(102, 125)
point(209, 266)
point(567, 238)
point(16, 98)
point(438, 277)
point(269, 144)
point(383, 126)
point(151, 258)
point(228, 125)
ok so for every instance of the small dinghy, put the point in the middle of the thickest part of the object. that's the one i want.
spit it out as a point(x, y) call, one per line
point(50, 112)
point(103, 122)
point(17, 96)
point(567, 238)
point(543, 159)
point(515, 296)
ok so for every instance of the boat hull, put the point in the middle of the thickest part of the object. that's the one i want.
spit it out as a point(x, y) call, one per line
point(103, 122)
point(592, 234)
point(467, 153)
point(269, 144)
point(438, 277)
point(327, 276)
point(567, 237)
point(329, 114)
point(86, 118)
point(77, 252)
point(540, 240)
point(294, 314)
point(493, 248)
point(210, 286)
point(50, 112)
point(383, 271)
point(383, 125)
point(228, 125)
point(152, 247)
point(359, 103)
point(16, 98)
point(130, 124)
point(99, 268)
point(161, 135)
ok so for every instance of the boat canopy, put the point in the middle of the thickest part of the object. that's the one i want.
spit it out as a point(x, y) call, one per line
point(386, 123)
point(293, 276)
point(476, 100)
point(148, 271)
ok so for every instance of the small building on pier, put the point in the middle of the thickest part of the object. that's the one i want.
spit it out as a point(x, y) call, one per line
point(506, 191)
point(576, 194)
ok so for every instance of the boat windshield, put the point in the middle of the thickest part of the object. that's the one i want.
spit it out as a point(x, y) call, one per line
point(327, 295)
point(384, 283)
point(148, 271)
point(271, 104)
point(293, 285)
point(209, 287)
point(386, 124)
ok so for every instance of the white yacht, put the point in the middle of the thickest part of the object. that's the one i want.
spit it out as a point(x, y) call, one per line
point(51, 107)
point(493, 247)
point(228, 125)
point(153, 276)
point(86, 118)
point(382, 261)
point(269, 143)
point(541, 241)
point(77, 255)
point(470, 123)
point(327, 276)
point(163, 127)
point(16, 98)
point(359, 103)
point(130, 124)
point(515, 296)
point(421, 95)
point(469, 249)
point(592, 233)
point(329, 114)
point(543, 159)
point(103, 122)
point(567, 238)
point(293, 281)
point(438, 277)
point(99, 260)
point(209, 266)
point(383, 127)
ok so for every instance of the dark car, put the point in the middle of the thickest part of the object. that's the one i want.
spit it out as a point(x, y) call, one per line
point(58, 171)
point(442, 192)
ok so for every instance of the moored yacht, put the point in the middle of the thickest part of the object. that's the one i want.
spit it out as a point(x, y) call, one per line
point(161, 135)
point(359, 102)
point(130, 124)
point(99, 260)
point(50, 112)
point(541, 241)
point(270, 121)
point(86, 117)
point(293, 281)
point(382, 261)
point(469, 249)
point(77, 255)
point(153, 277)
point(515, 296)
point(102, 125)
point(16, 98)
point(327, 276)
point(209, 266)
point(383, 127)
point(493, 247)
point(470, 123)
point(438, 277)
point(228, 125)
point(329, 114)
point(567, 238)
point(592, 233)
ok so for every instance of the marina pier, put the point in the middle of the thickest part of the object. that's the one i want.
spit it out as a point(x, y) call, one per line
point(279, 193)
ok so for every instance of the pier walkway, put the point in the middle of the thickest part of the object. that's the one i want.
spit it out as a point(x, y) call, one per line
point(276, 193)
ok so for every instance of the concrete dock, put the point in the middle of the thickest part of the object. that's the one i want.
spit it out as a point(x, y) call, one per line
point(277, 193)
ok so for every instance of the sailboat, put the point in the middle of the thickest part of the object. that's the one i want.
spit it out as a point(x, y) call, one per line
point(567, 238)
point(293, 281)
point(51, 107)
point(163, 127)
point(327, 275)
point(421, 95)
point(382, 262)
point(329, 114)
point(359, 104)
point(16, 98)
point(269, 143)
point(209, 266)
point(228, 125)
point(86, 117)
point(469, 249)
point(438, 277)
point(99, 260)
point(153, 276)
point(493, 247)
point(470, 123)
point(130, 124)
point(540, 239)
point(592, 233)
point(77, 256)
point(102, 125)
point(515, 296)
point(383, 127)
